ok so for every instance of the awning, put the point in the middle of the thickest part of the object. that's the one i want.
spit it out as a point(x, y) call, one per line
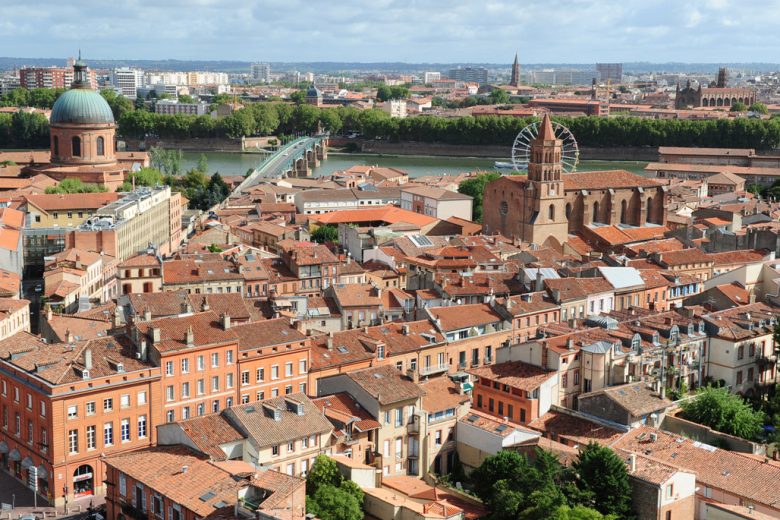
point(3, 447)
point(27, 462)
point(467, 387)
point(15, 455)
point(42, 473)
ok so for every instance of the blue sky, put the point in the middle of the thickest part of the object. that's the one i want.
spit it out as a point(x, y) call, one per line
point(542, 31)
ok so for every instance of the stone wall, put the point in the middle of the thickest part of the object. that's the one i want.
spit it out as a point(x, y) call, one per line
point(702, 433)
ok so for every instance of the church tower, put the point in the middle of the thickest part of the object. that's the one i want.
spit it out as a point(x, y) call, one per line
point(515, 79)
point(545, 170)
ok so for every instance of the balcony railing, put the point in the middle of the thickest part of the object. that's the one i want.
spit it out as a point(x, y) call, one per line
point(433, 369)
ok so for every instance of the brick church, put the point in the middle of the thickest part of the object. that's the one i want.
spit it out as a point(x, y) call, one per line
point(547, 205)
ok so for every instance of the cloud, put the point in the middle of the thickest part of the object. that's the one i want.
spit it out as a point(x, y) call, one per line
point(562, 31)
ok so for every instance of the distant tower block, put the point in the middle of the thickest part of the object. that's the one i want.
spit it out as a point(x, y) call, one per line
point(515, 80)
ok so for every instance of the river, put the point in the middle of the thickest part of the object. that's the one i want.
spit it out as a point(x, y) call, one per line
point(227, 163)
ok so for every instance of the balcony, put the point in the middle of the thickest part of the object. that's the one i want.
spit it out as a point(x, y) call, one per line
point(413, 427)
point(433, 369)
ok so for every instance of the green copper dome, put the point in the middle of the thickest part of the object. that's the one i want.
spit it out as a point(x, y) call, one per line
point(81, 105)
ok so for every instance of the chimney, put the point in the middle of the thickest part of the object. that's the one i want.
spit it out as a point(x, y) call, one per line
point(663, 390)
point(190, 337)
point(653, 437)
point(570, 343)
point(539, 282)
point(186, 307)
point(405, 329)
point(155, 333)
point(632, 463)
point(225, 321)
point(414, 375)
point(330, 340)
point(184, 469)
point(147, 314)
point(69, 336)
point(88, 359)
point(49, 313)
point(117, 316)
point(205, 305)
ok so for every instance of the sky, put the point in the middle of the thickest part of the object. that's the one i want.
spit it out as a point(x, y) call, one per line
point(412, 31)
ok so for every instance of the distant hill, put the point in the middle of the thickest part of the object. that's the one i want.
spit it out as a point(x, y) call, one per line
point(8, 63)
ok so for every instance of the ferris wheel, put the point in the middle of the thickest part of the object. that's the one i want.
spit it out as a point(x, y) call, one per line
point(521, 149)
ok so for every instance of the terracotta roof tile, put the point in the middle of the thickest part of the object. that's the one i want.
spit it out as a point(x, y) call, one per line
point(516, 374)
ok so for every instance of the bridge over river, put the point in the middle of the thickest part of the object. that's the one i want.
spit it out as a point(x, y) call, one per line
point(295, 159)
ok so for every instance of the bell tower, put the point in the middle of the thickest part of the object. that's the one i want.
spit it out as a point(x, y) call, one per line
point(545, 172)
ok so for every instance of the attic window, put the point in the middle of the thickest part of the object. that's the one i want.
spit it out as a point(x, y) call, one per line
point(207, 496)
point(342, 349)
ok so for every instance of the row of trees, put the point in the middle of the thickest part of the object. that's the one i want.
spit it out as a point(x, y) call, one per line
point(24, 130)
point(594, 487)
point(284, 118)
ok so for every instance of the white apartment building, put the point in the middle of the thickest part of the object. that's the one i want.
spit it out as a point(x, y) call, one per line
point(127, 80)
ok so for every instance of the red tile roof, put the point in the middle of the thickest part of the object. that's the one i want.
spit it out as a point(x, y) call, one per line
point(516, 374)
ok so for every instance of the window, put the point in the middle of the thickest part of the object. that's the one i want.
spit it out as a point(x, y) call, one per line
point(101, 146)
point(740, 352)
point(275, 450)
point(215, 360)
point(43, 409)
point(228, 402)
point(75, 146)
point(215, 384)
point(73, 441)
point(108, 434)
point(124, 401)
point(260, 395)
point(30, 432)
point(185, 412)
point(215, 406)
point(141, 426)
point(304, 443)
point(244, 378)
point(73, 411)
point(399, 417)
point(108, 404)
point(260, 375)
point(386, 453)
point(125, 429)
point(201, 408)
point(302, 366)
point(380, 352)
point(185, 390)
point(44, 440)
point(201, 364)
point(288, 389)
point(29, 401)
point(141, 398)
point(169, 368)
point(750, 375)
point(170, 416)
point(302, 388)
point(122, 484)
point(670, 491)
point(399, 448)
point(245, 399)
point(291, 447)
point(275, 372)
point(185, 366)
point(288, 369)
point(201, 387)
point(91, 437)
point(739, 377)
point(438, 438)
point(169, 393)
point(229, 353)
point(157, 505)
point(275, 392)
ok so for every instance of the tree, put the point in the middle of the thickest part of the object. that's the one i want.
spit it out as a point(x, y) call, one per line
point(759, 108)
point(324, 234)
point(185, 98)
point(579, 513)
point(298, 97)
point(602, 473)
point(324, 472)
point(166, 160)
point(238, 124)
point(334, 503)
point(739, 106)
point(75, 186)
point(119, 104)
point(499, 96)
point(475, 188)
point(503, 466)
point(724, 412)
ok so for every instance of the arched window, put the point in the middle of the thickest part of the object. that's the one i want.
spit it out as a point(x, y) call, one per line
point(75, 146)
point(568, 210)
point(649, 217)
point(595, 211)
point(101, 146)
point(623, 210)
point(551, 212)
point(56, 145)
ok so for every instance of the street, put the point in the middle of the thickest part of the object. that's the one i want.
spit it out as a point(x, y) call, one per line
point(14, 492)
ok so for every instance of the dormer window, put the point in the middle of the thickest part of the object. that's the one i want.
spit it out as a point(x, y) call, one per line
point(701, 327)
point(380, 352)
point(656, 338)
point(674, 334)
point(635, 342)
point(690, 329)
